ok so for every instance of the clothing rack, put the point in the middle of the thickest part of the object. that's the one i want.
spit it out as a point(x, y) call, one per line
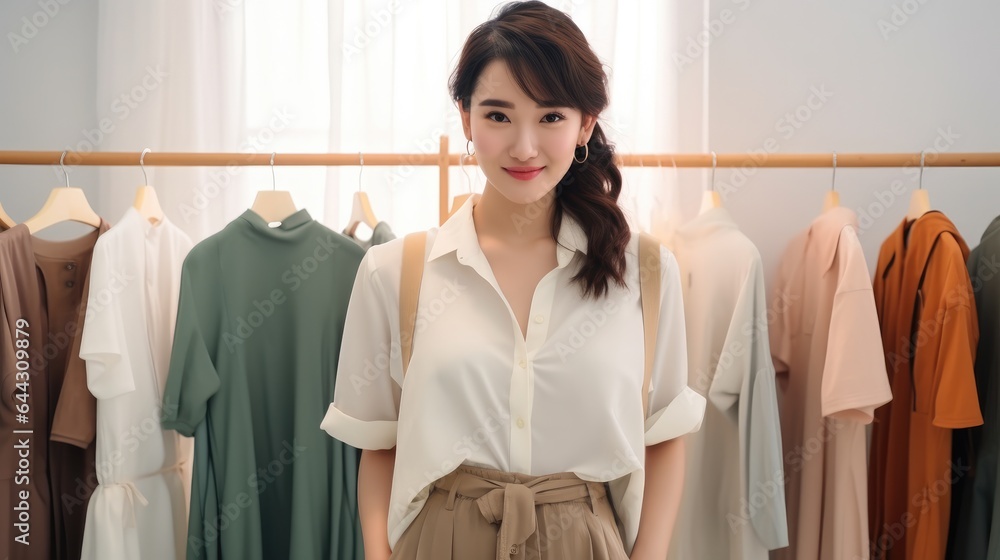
point(444, 160)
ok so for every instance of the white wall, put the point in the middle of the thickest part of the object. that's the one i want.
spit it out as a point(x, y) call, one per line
point(935, 79)
point(48, 72)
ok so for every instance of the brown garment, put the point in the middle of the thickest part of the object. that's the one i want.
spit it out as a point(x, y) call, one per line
point(929, 332)
point(43, 289)
point(476, 513)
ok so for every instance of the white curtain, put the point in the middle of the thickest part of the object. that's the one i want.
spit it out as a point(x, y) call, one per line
point(310, 76)
point(171, 78)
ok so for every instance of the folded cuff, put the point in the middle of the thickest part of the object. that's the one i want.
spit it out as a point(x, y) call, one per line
point(683, 415)
point(107, 377)
point(363, 434)
point(179, 426)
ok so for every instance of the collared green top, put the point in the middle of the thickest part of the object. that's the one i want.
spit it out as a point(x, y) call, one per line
point(256, 345)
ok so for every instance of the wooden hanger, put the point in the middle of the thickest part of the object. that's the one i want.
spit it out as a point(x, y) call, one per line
point(148, 204)
point(710, 199)
point(64, 204)
point(831, 201)
point(920, 203)
point(272, 205)
point(832, 198)
point(146, 201)
point(6, 222)
point(361, 209)
point(361, 213)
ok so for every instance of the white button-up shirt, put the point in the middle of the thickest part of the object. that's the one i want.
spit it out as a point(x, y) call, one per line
point(564, 398)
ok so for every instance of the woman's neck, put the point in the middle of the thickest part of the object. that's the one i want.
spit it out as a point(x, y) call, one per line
point(497, 217)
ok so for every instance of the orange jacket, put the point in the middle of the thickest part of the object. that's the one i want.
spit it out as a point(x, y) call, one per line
point(929, 332)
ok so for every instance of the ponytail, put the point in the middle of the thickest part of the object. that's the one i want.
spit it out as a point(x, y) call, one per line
point(589, 193)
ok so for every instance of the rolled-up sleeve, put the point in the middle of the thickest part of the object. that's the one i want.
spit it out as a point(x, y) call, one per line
point(365, 405)
point(675, 409)
point(102, 346)
point(193, 377)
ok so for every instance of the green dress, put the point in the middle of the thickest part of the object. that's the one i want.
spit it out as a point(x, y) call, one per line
point(253, 367)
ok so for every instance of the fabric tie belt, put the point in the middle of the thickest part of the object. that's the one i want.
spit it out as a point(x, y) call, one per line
point(132, 493)
point(509, 504)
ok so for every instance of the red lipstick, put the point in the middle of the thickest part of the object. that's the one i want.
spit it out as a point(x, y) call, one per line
point(523, 173)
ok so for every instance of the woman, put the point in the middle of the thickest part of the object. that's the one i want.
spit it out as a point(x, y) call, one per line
point(519, 430)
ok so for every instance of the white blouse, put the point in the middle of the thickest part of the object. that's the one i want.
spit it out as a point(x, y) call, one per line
point(565, 398)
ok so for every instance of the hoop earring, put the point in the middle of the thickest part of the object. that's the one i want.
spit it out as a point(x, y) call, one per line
point(467, 142)
point(586, 154)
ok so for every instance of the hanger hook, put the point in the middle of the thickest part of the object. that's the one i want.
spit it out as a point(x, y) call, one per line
point(833, 184)
point(142, 165)
point(62, 158)
point(273, 180)
point(714, 163)
point(361, 158)
point(920, 183)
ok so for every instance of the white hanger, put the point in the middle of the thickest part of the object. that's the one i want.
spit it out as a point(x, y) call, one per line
point(146, 201)
point(6, 222)
point(459, 200)
point(64, 204)
point(832, 199)
point(361, 209)
point(273, 205)
point(920, 203)
point(710, 199)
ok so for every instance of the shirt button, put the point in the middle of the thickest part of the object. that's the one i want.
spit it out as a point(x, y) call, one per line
point(539, 319)
point(523, 364)
point(520, 423)
point(69, 283)
point(70, 266)
point(513, 549)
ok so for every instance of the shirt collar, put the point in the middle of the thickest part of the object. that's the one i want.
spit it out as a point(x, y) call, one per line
point(458, 234)
point(825, 229)
point(706, 223)
point(148, 227)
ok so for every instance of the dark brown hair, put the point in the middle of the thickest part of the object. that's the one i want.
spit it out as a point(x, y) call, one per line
point(551, 61)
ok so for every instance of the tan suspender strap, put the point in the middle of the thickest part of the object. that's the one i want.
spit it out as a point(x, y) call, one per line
point(649, 295)
point(409, 291)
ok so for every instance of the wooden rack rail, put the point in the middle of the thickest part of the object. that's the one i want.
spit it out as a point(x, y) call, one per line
point(444, 160)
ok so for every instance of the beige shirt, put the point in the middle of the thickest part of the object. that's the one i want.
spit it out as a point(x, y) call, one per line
point(827, 351)
point(734, 494)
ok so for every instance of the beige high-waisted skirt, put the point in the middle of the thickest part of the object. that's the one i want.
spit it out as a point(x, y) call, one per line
point(482, 514)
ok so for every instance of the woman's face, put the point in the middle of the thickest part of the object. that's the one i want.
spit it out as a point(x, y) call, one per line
point(523, 149)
